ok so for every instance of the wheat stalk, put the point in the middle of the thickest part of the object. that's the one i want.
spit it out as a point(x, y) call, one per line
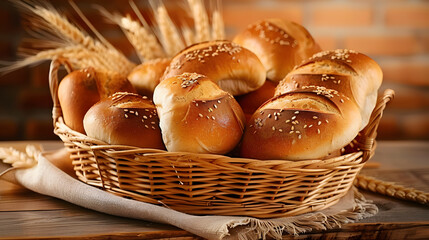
point(218, 28)
point(49, 24)
point(170, 37)
point(201, 20)
point(20, 159)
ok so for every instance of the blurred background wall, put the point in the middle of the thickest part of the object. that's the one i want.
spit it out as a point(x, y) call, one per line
point(393, 32)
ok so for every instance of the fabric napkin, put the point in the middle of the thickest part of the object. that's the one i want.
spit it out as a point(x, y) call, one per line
point(44, 177)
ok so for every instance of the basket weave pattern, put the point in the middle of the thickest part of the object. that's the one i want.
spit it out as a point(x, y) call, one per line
point(215, 184)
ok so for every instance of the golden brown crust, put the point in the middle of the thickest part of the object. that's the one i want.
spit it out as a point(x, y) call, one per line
point(81, 89)
point(251, 101)
point(279, 44)
point(235, 69)
point(146, 76)
point(318, 108)
point(125, 119)
point(197, 116)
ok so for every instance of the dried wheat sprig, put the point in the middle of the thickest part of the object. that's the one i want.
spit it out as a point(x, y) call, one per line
point(170, 37)
point(20, 159)
point(218, 28)
point(201, 20)
point(188, 35)
point(143, 41)
point(49, 24)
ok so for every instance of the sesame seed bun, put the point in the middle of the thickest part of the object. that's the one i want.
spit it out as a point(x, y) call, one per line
point(146, 76)
point(81, 89)
point(197, 116)
point(279, 44)
point(318, 108)
point(235, 69)
point(124, 119)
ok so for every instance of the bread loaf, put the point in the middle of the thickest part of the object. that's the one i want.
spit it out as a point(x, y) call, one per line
point(279, 44)
point(81, 89)
point(235, 69)
point(125, 119)
point(197, 116)
point(146, 76)
point(318, 108)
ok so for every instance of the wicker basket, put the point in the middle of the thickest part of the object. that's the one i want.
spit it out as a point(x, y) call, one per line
point(213, 184)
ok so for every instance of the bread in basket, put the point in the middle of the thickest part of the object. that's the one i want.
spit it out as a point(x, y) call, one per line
point(212, 184)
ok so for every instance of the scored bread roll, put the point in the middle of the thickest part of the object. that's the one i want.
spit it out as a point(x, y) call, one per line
point(81, 89)
point(197, 116)
point(125, 119)
point(146, 76)
point(318, 108)
point(235, 69)
point(279, 44)
point(347, 72)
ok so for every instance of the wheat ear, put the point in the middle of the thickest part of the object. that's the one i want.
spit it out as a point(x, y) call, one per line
point(20, 159)
point(49, 24)
point(218, 28)
point(201, 20)
point(169, 34)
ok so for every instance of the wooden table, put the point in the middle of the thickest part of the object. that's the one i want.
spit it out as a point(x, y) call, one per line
point(28, 215)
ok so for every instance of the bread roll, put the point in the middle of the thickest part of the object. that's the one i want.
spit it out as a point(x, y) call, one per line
point(250, 102)
point(319, 108)
point(81, 89)
point(124, 119)
point(235, 69)
point(197, 116)
point(279, 44)
point(146, 76)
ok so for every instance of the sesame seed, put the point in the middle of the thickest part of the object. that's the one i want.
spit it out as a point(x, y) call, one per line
point(144, 97)
point(200, 115)
point(293, 118)
point(153, 127)
point(287, 121)
point(196, 104)
point(299, 136)
point(153, 123)
point(320, 122)
point(126, 116)
point(297, 132)
point(218, 101)
point(326, 121)
point(274, 128)
point(137, 113)
point(291, 132)
point(88, 75)
point(276, 118)
point(341, 100)
point(269, 115)
point(305, 126)
point(210, 109)
point(214, 105)
point(292, 128)
point(311, 125)
point(318, 131)
point(125, 110)
point(280, 130)
point(296, 112)
point(132, 112)
point(146, 126)
point(213, 118)
point(315, 117)
point(145, 117)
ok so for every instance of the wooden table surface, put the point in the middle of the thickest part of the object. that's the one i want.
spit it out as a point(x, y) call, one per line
point(28, 215)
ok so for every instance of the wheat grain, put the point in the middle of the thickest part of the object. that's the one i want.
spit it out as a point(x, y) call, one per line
point(170, 36)
point(201, 20)
point(218, 28)
point(20, 159)
point(143, 41)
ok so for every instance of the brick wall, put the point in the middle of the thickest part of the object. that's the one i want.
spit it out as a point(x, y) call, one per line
point(394, 33)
